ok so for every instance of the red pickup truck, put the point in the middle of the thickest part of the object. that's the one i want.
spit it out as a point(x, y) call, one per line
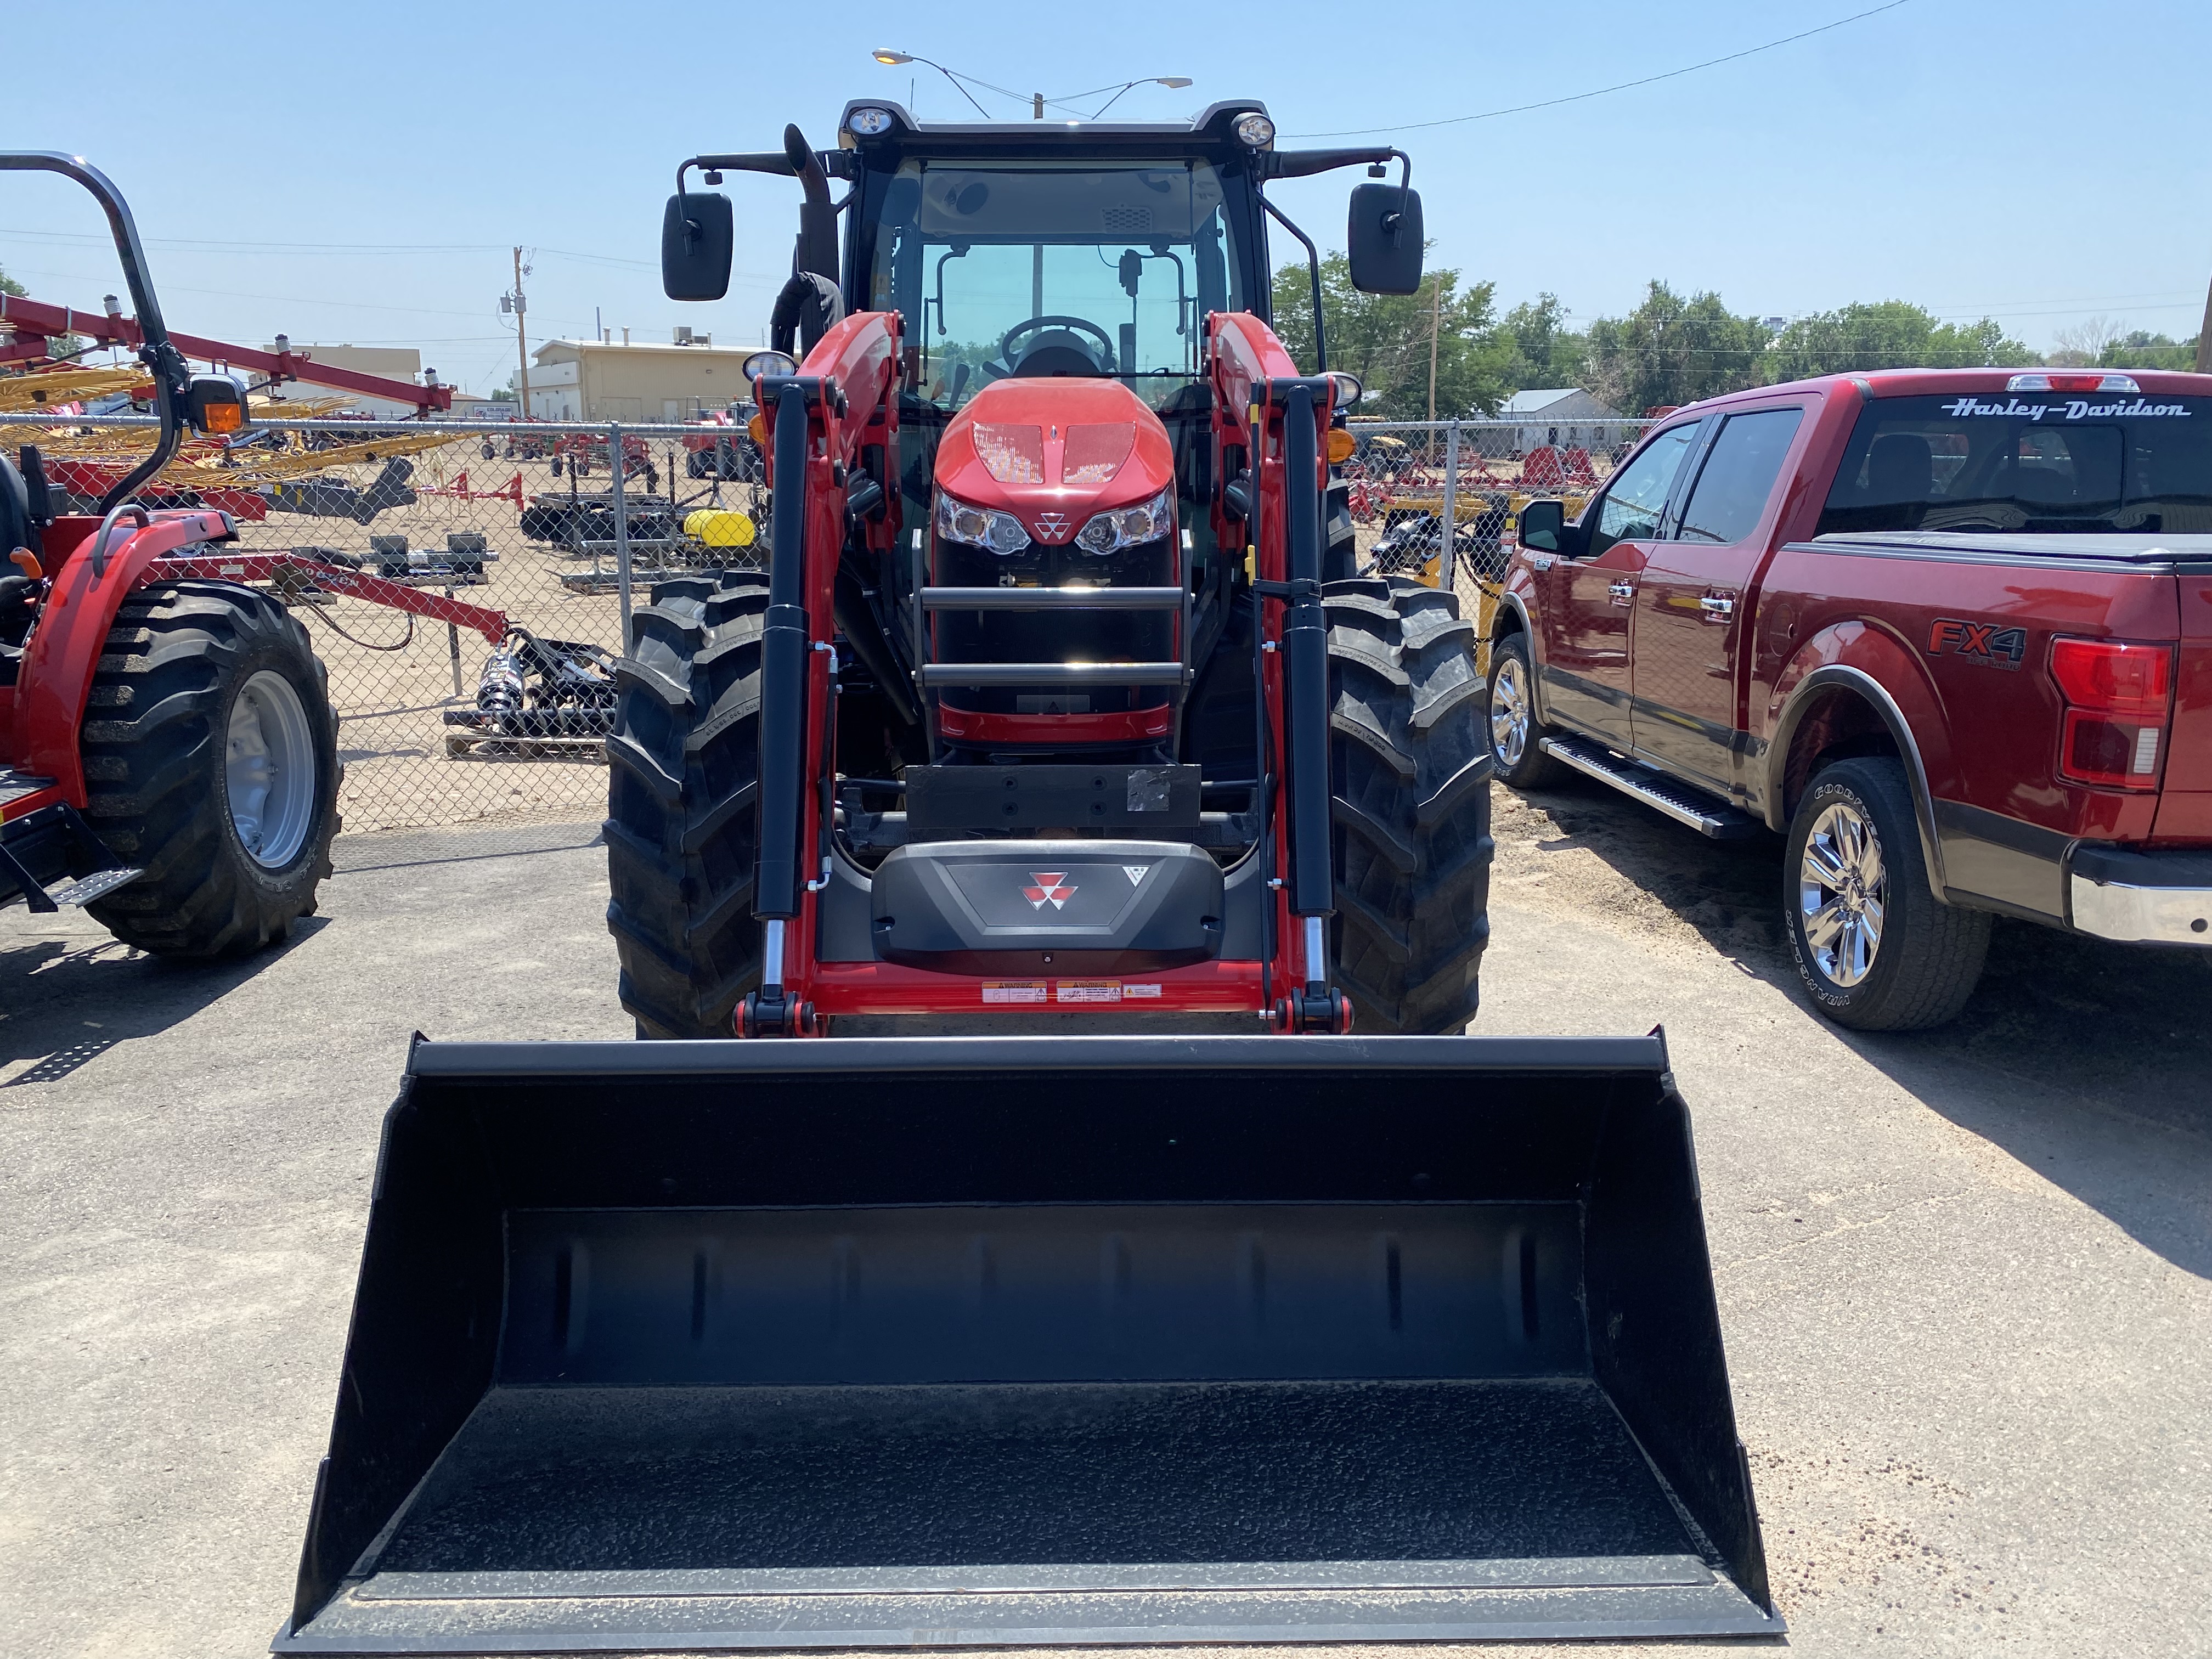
point(1949, 631)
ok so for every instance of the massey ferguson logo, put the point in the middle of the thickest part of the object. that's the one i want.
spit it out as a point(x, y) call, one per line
point(1049, 890)
point(1052, 526)
point(1978, 642)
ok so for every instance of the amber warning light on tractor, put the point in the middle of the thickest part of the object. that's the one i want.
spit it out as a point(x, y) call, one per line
point(216, 405)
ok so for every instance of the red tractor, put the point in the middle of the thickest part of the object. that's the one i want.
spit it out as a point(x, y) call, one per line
point(167, 752)
point(1062, 689)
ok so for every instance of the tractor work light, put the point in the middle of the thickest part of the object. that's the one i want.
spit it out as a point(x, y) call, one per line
point(2072, 382)
point(767, 362)
point(868, 121)
point(1256, 130)
point(1127, 526)
point(981, 526)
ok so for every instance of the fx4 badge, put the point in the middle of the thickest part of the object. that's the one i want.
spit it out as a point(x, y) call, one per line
point(1982, 642)
point(1049, 890)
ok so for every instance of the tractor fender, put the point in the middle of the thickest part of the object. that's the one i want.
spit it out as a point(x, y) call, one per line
point(65, 651)
point(1867, 659)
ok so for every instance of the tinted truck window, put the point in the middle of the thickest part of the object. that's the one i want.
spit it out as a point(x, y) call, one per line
point(2027, 461)
point(1738, 475)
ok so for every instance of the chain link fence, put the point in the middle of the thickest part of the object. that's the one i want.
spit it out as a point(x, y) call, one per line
point(467, 585)
point(1410, 478)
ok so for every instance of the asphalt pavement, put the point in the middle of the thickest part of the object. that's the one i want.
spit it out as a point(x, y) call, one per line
point(1966, 1277)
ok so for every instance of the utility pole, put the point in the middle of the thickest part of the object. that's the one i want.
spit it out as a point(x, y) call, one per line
point(521, 338)
point(1036, 107)
point(1435, 327)
point(2204, 337)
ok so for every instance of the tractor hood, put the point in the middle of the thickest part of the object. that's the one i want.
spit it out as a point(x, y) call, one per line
point(1054, 450)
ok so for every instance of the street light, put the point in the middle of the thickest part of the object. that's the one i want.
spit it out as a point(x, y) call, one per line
point(1171, 81)
point(885, 55)
point(1038, 99)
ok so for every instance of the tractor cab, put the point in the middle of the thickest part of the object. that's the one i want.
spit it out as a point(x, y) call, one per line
point(1055, 420)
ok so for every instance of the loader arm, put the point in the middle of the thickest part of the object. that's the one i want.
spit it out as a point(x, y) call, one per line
point(1269, 425)
point(832, 451)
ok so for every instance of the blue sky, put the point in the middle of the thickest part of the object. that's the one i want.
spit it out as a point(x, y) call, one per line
point(2038, 162)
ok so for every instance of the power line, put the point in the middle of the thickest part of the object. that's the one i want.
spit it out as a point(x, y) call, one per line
point(1600, 91)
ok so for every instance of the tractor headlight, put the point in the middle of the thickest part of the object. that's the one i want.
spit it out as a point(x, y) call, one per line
point(980, 526)
point(1255, 131)
point(1126, 526)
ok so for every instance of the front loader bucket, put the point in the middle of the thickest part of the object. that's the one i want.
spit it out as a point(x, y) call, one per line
point(712, 1345)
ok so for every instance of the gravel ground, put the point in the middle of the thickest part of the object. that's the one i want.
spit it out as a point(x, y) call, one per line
point(1963, 1275)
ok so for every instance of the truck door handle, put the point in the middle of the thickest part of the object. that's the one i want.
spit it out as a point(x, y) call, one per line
point(1622, 593)
point(1717, 609)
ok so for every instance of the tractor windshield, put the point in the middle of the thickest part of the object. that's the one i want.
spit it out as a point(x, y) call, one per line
point(1030, 268)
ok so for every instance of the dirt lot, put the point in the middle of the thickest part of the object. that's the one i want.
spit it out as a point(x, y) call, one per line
point(1966, 1277)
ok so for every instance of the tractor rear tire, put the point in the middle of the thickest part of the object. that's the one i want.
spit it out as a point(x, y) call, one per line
point(1409, 769)
point(208, 702)
point(684, 767)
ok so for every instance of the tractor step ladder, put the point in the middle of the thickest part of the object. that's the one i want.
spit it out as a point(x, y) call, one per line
point(33, 828)
point(1708, 815)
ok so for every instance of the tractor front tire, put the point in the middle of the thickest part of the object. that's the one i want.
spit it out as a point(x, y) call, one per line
point(210, 761)
point(1409, 780)
point(682, 819)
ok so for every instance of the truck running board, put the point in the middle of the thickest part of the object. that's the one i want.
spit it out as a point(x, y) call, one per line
point(1707, 814)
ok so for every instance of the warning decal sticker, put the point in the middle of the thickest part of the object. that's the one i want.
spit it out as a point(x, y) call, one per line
point(1088, 990)
point(1013, 990)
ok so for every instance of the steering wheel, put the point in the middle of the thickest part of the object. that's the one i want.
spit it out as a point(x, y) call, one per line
point(1102, 361)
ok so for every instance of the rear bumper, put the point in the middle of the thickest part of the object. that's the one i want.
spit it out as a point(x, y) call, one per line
point(2140, 898)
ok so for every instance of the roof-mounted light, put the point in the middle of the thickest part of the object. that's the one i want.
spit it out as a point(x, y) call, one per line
point(869, 121)
point(2072, 382)
point(1255, 131)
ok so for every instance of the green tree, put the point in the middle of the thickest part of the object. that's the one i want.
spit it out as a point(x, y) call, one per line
point(1546, 352)
point(1671, 350)
point(1893, 334)
point(2141, 348)
point(1384, 339)
point(63, 345)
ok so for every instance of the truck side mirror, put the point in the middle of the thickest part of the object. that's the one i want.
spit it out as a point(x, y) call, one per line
point(1383, 239)
point(697, 238)
point(1543, 527)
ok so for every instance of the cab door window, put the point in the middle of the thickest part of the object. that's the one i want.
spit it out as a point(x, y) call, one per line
point(1738, 477)
point(1634, 505)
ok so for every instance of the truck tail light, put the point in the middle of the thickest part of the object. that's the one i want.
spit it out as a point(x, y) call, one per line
point(2117, 697)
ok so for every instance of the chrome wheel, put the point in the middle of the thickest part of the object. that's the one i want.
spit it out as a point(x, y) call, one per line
point(1508, 713)
point(1842, 892)
point(269, 768)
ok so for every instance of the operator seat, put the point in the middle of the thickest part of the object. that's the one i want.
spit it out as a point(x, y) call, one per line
point(17, 590)
point(1058, 351)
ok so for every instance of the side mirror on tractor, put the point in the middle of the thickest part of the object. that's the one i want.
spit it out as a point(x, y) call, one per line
point(1383, 239)
point(697, 239)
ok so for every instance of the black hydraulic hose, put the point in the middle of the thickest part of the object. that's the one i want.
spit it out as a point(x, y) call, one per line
point(1305, 661)
point(1313, 264)
point(784, 643)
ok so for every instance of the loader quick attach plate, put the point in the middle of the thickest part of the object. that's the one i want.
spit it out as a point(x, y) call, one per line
point(1007, 1341)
